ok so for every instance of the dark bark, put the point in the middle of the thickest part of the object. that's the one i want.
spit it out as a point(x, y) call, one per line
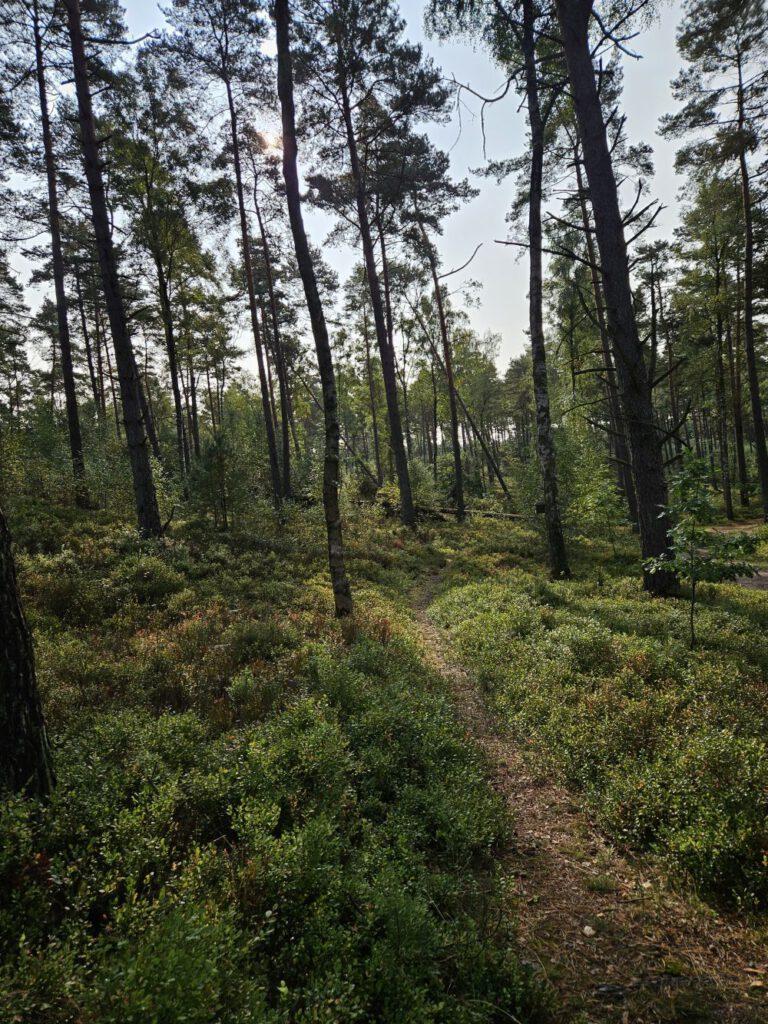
point(342, 595)
point(634, 384)
point(558, 558)
point(274, 467)
point(57, 258)
point(141, 469)
point(722, 413)
point(758, 423)
point(25, 756)
point(386, 352)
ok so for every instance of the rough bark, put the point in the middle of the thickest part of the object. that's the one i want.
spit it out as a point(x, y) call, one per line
point(25, 756)
point(341, 590)
point(558, 558)
point(634, 384)
point(141, 468)
point(57, 258)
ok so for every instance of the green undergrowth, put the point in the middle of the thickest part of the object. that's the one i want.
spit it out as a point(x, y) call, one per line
point(667, 744)
point(254, 820)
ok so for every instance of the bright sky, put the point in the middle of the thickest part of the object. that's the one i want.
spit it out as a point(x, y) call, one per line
point(502, 306)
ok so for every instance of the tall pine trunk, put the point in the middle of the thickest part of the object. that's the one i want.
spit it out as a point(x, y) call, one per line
point(141, 468)
point(558, 558)
point(57, 257)
point(386, 352)
point(758, 423)
point(274, 468)
point(342, 595)
point(458, 473)
point(634, 384)
point(25, 756)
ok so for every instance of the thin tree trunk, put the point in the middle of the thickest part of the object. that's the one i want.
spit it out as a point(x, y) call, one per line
point(342, 595)
point(372, 397)
point(25, 757)
point(616, 421)
point(558, 558)
point(458, 472)
point(274, 467)
point(386, 352)
point(141, 468)
point(67, 369)
point(87, 343)
point(758, 424)
point(634, 385)
point(734, 363)
point(173, 363)
point(282, 375)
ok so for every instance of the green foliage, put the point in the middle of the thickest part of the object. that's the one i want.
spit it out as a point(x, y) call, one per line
point(669, 745)
point(253, 822)
point(697, 554)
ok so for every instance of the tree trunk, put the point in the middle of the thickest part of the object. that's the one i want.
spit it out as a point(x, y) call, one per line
point(758, 424)
point(141, 468)
point(342, 595)
point(274, 467)
point(67, 369)
point(558, 558)
point(282, 375)
point(25, 756)
point(173, 364)
point(386, 352)
point(634, 385)
point(372, 398)
point(458, 472)
point(734, 366)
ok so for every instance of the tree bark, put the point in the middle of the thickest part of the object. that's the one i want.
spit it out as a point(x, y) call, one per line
point(558, 558)
point(458, 472)
point(758, 423)
point(634, 385)
point(386, 352)
point(141, 468)
point(57, 257)
point(274, 467)
point(342, 594)
point(282, 376)
point(25, 756)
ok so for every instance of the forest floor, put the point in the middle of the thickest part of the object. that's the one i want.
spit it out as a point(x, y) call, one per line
point(605, 931)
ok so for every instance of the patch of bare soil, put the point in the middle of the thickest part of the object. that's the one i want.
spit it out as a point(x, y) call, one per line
point(605, 932)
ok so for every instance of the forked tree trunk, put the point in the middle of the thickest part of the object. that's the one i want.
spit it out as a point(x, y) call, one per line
point(57, 258)
point(342, 595)
point(25, 756)
point(141, 468)
point(634, 385)
point(558, 558)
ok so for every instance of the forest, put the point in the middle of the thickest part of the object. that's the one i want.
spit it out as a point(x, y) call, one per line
point(360, 662)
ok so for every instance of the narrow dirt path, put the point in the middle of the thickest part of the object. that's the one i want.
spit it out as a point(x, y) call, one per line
point(605, 932)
